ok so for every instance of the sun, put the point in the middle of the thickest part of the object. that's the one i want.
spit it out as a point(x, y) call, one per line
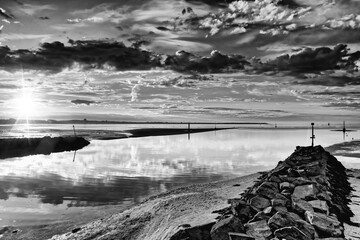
point(25, 105)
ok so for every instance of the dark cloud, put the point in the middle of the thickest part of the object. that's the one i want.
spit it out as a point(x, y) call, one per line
point(221, 3)
point(44, 18)
point(309, 60)
point(79, 101)
point(187, 62)
point(56, 56)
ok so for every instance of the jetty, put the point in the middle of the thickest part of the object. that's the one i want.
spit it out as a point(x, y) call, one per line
point(304, 197)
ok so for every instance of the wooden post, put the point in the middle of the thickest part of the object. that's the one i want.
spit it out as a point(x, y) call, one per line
point(188, 131)
point(74, 130)
point(312, 134)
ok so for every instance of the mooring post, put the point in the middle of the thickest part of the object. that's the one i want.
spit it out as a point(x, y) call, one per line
point(312, 134)
point(74, 130)
point(188, 131)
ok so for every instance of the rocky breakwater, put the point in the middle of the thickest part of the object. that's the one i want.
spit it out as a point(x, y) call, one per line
point(304, 197)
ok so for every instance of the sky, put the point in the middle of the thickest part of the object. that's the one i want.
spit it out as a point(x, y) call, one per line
point(187, 60)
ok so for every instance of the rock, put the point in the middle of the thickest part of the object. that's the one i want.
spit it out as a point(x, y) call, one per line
point(290, 233)
point(326, 196)
point(267, 210)
point(321, 180)
point(320, 206)
point(236, 205)
point(246, 213)
point(194, 233)
point(301, 181)
point(280, 209)
point(283, 219)
point(306, 228)
point(259, 230)
point(286, 193)
point(274, 178)
point(326, 226)
point(240, 236)
point(301, 206)
point(260, 202)
point(313, 169)
point(279, 202)
point(268, 189)
point(258, 217)
point(226, 224)
point(286, 185)
point(307, 192)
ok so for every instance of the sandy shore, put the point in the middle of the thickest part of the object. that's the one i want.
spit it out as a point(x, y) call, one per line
point(161, 216)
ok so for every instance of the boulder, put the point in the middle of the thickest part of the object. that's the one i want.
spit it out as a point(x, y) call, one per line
point(259, 216)
point(306, 228)
point(326, 196)
point(301, 206)
point(289, 219)
point(246, 213)
point(320, 206)
point(259, 230)
point(228, 223)
point(268, 189)
point(236, 204)
point(301, 181)
point(268, 210)
point(279, 202)
point(240, 236)
point(194, 233)
point(286, 185)
point(283, 219)
point(326, 226)
point(260, 202)
point(290, 233)
point(307, 192)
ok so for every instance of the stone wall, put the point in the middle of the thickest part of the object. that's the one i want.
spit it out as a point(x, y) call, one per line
point(304, 197)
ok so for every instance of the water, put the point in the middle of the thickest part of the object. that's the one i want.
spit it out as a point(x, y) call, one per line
point(52, 188)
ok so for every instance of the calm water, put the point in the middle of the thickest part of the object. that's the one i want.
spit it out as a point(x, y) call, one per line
point(42, 189)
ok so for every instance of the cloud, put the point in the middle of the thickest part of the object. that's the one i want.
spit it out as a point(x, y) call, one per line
point(135, 93)
point(95, 54)
point(211, 2)
point(308, 59)
point(217, 62)
point(34, 9)
point(80, 101)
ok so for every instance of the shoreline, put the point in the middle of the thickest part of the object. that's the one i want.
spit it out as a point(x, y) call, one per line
point(172, 210)
point(178, 202)
point(196, 201)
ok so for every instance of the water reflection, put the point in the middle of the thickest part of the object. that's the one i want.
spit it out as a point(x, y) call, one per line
point(127, 170)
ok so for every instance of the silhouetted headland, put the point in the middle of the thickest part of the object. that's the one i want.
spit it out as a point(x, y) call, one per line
point(148, 132)
point(19, 147)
